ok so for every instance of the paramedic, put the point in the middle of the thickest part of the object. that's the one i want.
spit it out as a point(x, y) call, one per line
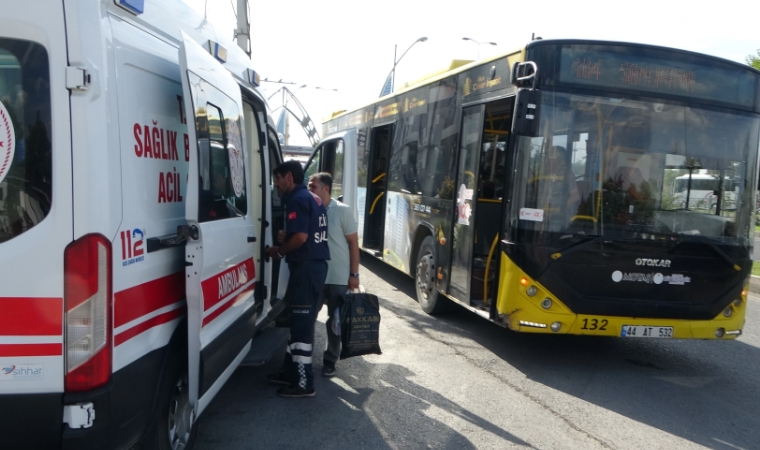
point(343, 268)
point(306, 252)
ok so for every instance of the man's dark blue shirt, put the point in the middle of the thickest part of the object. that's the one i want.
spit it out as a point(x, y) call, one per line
point(305, 213)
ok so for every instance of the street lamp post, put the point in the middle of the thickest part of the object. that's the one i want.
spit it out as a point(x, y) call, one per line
point(479, 43)
point(392, 75)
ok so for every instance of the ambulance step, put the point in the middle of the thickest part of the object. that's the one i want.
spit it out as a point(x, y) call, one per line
point(267, 345)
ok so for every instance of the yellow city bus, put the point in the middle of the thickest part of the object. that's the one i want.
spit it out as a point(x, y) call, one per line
point(536, 188)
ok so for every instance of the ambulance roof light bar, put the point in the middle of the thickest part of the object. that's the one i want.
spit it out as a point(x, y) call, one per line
point(136, 7)
point(217, 51)
point(253, 77)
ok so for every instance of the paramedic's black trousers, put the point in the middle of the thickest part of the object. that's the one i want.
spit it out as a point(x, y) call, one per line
point(303, 295)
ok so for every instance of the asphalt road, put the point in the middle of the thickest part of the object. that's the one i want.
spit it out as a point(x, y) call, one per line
point(460, 382)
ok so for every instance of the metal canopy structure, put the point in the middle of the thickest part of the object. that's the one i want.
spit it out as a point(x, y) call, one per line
point(299, 114)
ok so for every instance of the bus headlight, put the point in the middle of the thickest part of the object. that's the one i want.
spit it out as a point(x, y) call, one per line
point(720, 332)
point(738, 302)
point(555, 326)
point(531, 291)
point(546, 303)
point(728, 311)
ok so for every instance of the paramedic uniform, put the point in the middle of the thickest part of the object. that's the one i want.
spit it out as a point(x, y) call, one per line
point(304, 213)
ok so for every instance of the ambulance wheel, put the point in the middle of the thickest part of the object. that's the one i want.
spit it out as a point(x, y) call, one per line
point(427, 295)
point(176, 429)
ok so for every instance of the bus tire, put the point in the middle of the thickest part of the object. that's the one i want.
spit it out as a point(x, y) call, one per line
point(427, 265)
point(175, 427)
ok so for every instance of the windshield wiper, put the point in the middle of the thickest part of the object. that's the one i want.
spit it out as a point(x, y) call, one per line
point(577, 246)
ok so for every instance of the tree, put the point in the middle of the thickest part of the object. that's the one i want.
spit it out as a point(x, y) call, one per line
point(754, 60)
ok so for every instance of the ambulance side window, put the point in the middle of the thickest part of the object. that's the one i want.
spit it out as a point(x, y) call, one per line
point(26, 161)
point(221, 164)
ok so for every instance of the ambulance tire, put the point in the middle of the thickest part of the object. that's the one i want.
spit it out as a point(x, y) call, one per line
point(172, 432)
point(425, 275)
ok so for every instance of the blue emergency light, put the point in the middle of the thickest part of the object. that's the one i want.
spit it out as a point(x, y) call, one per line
point(134, 6)
point(253, 77)
point(217, 51)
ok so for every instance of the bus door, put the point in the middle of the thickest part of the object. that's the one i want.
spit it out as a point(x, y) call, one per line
point(481, 181)
point(333, 155)
point(381, 139)
point(219, 267)
point(464, 212)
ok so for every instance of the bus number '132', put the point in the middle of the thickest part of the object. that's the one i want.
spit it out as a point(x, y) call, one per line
point(594, 324)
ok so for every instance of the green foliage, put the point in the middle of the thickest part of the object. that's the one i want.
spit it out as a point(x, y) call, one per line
point(754, 60)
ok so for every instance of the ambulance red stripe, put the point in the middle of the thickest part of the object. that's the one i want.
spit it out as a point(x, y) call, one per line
point(13, 350)
point(226, 306)
point(218, 287)
point(137, 301)
point(31, 316)
point(148, 324)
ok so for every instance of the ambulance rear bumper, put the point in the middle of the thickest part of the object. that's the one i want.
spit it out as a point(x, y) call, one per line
point(31, 421)
point(96, 436)
point(35, 421)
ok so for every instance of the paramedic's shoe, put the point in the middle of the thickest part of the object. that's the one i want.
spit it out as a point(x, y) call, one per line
point(328, 371)
point(295, 391)
point(278, 378)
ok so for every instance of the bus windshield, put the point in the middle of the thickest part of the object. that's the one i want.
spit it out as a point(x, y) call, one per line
point(616, 167)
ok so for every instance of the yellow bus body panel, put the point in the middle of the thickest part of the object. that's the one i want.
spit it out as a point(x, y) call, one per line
point(525, 314)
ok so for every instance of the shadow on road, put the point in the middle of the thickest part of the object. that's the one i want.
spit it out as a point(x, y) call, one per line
point(369, 406)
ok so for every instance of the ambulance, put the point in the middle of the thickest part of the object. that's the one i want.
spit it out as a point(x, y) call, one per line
point(135, 206)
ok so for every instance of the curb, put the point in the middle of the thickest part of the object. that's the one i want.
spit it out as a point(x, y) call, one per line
point(754, 284)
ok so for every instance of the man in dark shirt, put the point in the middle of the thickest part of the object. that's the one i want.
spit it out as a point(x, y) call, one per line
point(305, 250)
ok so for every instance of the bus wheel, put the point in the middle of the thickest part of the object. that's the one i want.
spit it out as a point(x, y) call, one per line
point(427, 295)
point(176, 430)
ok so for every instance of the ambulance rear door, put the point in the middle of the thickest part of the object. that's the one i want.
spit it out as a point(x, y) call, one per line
point(220, 268)
point(36, 223)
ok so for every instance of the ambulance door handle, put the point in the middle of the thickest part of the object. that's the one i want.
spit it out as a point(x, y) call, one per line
point(251, 239)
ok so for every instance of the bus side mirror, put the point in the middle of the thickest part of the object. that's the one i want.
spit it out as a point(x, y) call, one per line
point(526, 116)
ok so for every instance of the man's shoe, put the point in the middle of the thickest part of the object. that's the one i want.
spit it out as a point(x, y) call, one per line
point(278, 378)
point(295, 391)
point(328, 371)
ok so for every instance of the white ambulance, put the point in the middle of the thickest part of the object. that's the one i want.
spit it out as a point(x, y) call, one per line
point(135, 203)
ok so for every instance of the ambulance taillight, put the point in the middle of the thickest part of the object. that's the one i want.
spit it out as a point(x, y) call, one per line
point(87, 303)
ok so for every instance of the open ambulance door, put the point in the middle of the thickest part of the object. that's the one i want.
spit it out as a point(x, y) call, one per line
point(219, 253)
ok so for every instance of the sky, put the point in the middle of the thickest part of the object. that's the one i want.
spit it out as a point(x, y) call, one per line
point(343, 50)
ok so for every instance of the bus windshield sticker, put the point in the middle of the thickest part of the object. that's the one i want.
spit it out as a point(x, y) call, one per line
point(7, 144)
point(463, 208)
point(534, 215)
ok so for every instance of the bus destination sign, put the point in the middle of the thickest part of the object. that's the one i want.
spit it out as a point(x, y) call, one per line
point(656, 72)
